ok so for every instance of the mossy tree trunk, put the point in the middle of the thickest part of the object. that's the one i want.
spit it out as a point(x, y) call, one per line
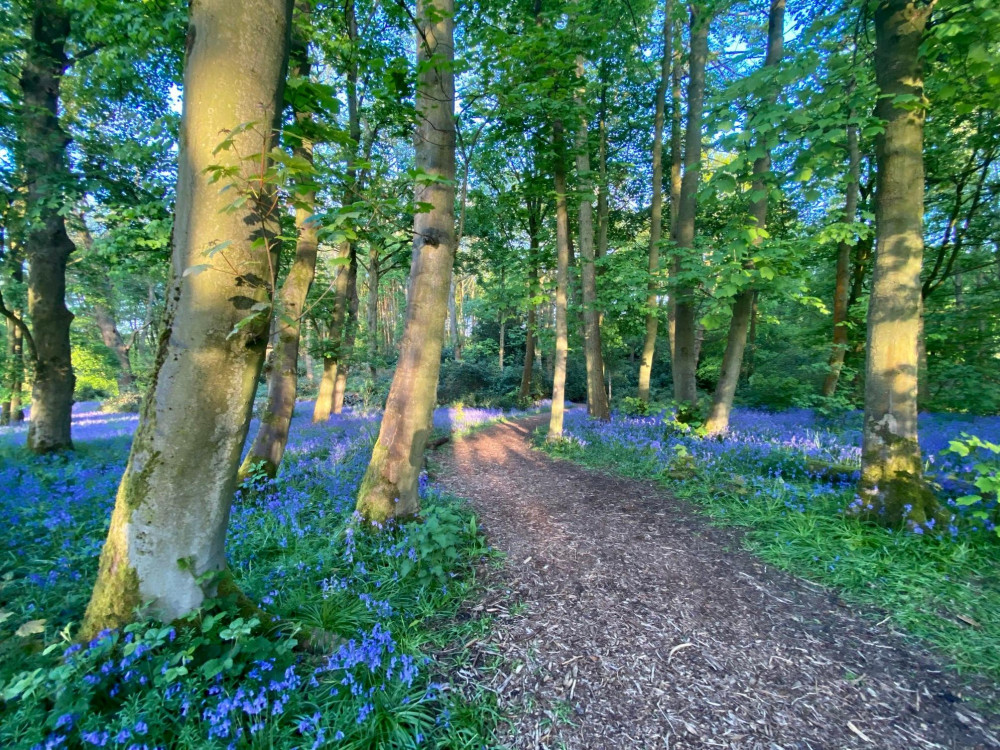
point(268, 447)
point(562, 284)
point(656, 211)
point(685, 362)
point(389, 488)
point(892, 487)
point(168, 528)
point(47, 245)
point(597, 397)
point(736, 340)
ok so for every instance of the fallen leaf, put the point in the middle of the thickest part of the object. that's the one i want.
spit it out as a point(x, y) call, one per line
point(968, 621)
point(31, 627)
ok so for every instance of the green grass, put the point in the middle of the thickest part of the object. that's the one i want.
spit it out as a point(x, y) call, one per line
point(944, 592)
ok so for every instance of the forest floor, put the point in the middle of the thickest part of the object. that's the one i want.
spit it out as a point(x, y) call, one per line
point(624, 619)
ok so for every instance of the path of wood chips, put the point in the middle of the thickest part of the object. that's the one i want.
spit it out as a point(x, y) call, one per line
point(624, 620)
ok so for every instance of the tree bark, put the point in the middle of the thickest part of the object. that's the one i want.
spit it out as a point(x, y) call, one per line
point(736, 341)
point(529, 342)
point(597, 398)
point(112, 339)
point(350, 334)
point(389, 488)
point(166, 544)
point(374, 280)
point(332, 355)
point(562, 285)
point(685, 362)
point(282, 385)
point(892, 486)
point(676, 167)
point(841, 292)
point(656, 212)
point(47, 244)
point(12, 412)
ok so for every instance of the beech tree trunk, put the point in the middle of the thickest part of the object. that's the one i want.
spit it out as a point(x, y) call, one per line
point(166, 544)
point(597, 398)
point(562, 285)
point(656, 212)
point(736, 341)
point(112, 339)
point(47, 245)
point(323, 407)
point(389, 488)
point(12, 413)
point(282, 385)
point(843, 278)
point(350, 334)
point(892, 487)
point(372, 312)
point(685, 362)
point(529, 342)
point(676, 165)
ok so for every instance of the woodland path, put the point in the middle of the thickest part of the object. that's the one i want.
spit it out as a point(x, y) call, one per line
point(625, 620)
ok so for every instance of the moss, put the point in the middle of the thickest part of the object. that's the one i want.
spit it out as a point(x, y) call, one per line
point(379, 499)
point(115, 598)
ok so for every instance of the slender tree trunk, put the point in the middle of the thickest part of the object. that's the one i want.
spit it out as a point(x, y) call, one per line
point(502, 320)
point(12, 411)
point(603, 218)
point(732, 358)
point(372, 312)
point(892, 486)
point(47, 244)
point(389, 488)
point(168, 528)
point(676, 168)
point(282, 385)
point(113, 340)
point(562, 285)
point(332, 355)
point(350, 334)
point(456, 352)
point(749, 361)
point(597, 398)
point(685, 363)
point(843, 278)
point(656, 212)
point(529, 343)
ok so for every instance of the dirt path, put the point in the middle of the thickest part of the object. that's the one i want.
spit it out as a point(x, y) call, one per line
point(626, 621)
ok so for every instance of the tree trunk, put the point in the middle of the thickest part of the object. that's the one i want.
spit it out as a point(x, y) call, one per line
point(389, 488)
point(350, 334)
point(749, 360)
point(685, 363)
point(335, 337)
point(529, 342)
point(12, 411)
point(456, 353)
point(562, 285)
point(676, 165)
point(113, 340)
point(47, 244)
point(166, 544)
point(736, 341)
point(372, 312)
point(892, 486)
point(282, 385)
point(843, 278)
point(597, 398)
point(656, 212)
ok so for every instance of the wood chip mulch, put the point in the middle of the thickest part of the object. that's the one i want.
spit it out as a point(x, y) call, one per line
point(625, 620)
